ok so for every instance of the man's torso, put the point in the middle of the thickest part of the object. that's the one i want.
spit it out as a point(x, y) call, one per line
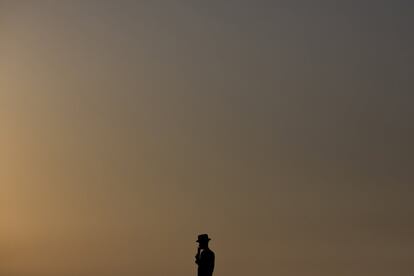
point(206, 263)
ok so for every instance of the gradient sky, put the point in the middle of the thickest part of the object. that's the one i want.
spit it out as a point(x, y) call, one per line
point(284, 129)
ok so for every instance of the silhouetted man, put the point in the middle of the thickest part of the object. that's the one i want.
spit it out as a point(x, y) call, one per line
point(205, 257)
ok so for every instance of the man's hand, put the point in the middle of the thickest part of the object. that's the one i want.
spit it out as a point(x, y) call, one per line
point(197, 257)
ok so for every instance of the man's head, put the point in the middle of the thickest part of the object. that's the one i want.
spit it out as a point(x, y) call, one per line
point(203, 240)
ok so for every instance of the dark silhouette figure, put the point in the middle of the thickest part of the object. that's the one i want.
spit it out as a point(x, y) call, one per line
point(205, 257)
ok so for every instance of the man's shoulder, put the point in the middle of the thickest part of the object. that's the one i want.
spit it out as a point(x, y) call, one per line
point(209, 252)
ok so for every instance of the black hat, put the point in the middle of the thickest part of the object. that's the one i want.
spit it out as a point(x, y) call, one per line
point(203, 238)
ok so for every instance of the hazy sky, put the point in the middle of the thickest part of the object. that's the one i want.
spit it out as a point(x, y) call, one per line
point(284, 129)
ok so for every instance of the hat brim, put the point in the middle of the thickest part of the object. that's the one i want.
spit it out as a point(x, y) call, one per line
point(203, 240)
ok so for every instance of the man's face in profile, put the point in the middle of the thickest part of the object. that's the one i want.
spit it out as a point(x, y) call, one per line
point(202, 245)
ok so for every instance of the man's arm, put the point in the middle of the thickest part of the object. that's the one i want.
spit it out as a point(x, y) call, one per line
point(212, 262)
point(198, 256)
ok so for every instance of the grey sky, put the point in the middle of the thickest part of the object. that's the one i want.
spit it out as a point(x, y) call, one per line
point(284, 129)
